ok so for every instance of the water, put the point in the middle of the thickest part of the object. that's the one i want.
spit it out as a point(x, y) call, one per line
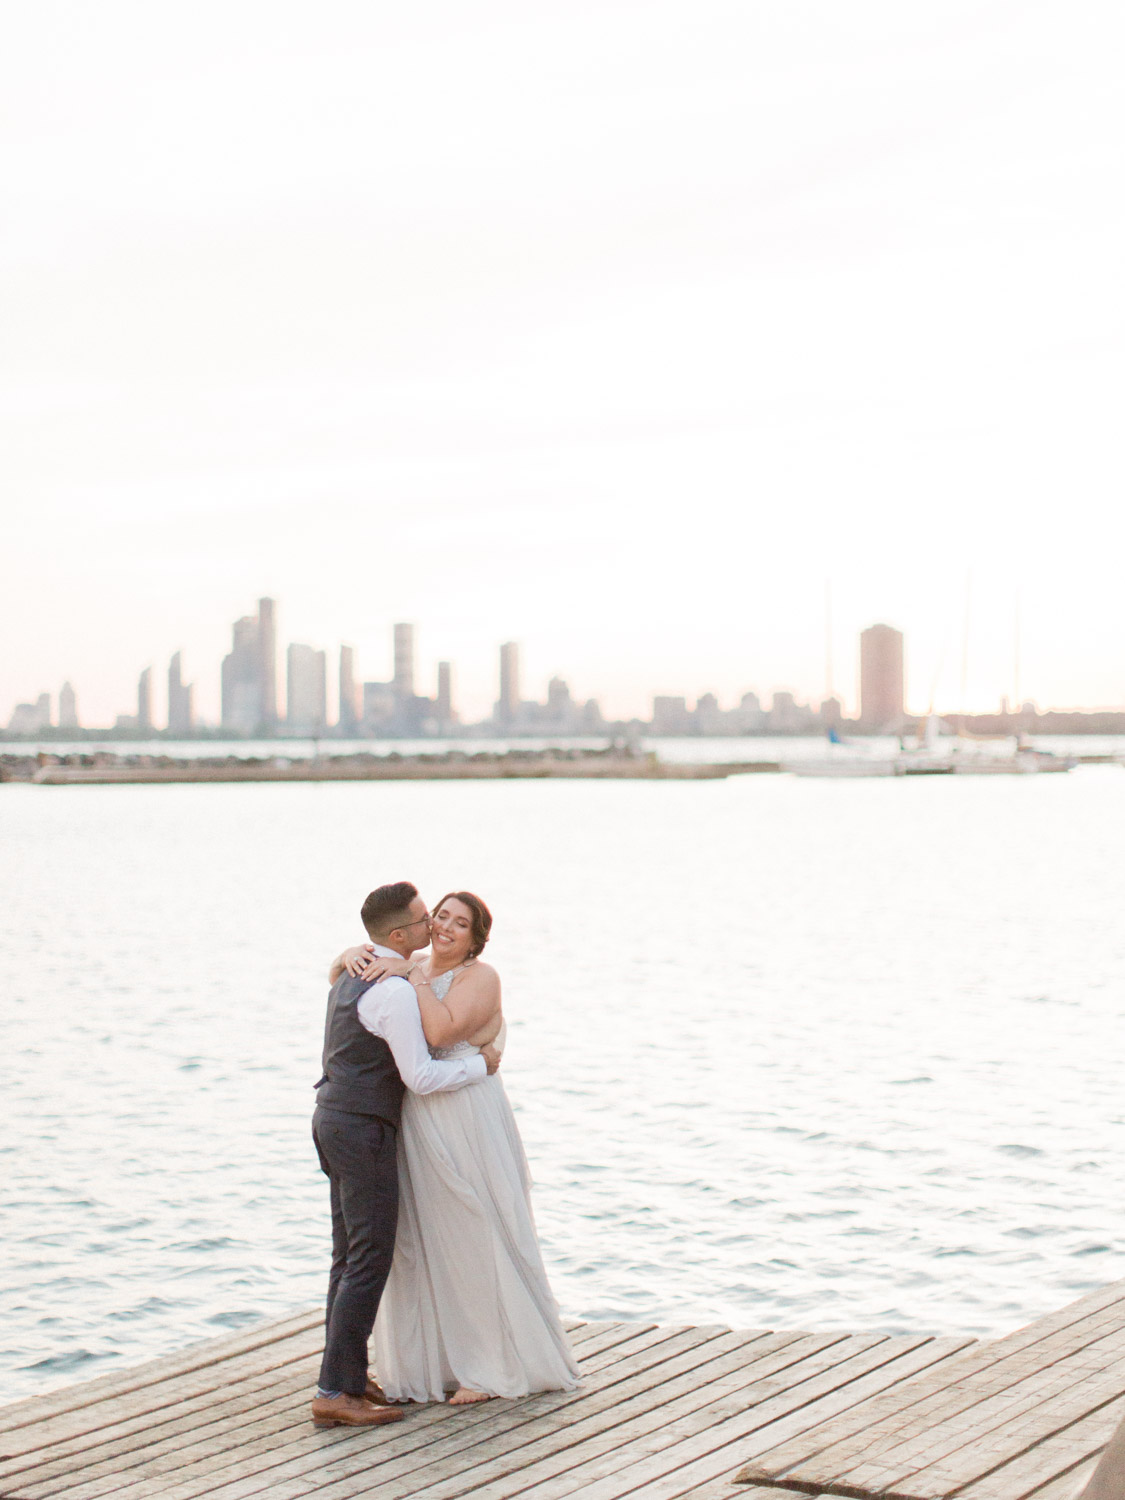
point(785, 1053)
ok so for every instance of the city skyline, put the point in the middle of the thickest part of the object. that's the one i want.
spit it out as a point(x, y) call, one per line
point(251, 702)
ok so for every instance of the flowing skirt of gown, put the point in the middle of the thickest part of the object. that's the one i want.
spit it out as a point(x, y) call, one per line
point(467, 1302)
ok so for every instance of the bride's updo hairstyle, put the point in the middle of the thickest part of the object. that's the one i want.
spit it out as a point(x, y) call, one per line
point(482, 918)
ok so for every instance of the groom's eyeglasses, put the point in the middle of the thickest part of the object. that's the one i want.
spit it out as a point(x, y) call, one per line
point(417, 922)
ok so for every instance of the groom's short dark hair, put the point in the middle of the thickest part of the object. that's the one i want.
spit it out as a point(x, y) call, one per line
point(387, 908)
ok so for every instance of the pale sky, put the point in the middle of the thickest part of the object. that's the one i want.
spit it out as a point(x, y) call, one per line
point(616, 328)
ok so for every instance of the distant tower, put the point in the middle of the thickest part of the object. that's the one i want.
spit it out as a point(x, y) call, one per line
point(68, 707)
point(181, 699)
point(507, 709)
point(30, 718)
point(241, 679)
point(348, 715)
point(306, 689)
point(267, 661)
point(560, 706)
point(444, 706)
point(882, 680)
point(404, 661)
point(144, 699)
point(249, 675)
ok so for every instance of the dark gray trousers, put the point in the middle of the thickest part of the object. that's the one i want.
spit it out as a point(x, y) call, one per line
point(358, 1156)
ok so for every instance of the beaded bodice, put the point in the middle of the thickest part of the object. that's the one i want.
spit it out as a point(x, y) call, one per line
point(441, 986)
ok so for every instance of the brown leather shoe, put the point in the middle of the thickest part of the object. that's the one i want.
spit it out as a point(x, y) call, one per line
point(351, 1411)
point(374, 1393)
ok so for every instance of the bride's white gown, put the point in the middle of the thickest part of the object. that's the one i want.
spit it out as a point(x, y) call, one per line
point(467, 1302)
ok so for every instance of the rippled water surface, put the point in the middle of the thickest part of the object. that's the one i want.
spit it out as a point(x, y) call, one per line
point(785, 1053)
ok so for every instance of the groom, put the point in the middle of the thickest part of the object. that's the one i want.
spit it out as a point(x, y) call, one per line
point(374, 1050)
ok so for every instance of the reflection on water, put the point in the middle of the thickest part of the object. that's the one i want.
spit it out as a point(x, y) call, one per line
point(785, 1053)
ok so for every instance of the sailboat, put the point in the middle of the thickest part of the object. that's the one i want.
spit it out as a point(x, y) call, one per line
point(957, 754)
point(961, 754)
point(851, 761)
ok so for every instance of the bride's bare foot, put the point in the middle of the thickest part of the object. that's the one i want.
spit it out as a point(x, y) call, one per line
point(464, 1397)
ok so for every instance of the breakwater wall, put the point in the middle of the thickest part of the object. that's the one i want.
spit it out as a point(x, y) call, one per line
point(105, 769)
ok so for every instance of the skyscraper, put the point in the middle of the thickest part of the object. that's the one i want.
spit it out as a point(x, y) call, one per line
point(348, 708)
point(882, 680)
point(30, 718)
point(68, 707)
point(306, 689)
point(181, 699)
point(144, 699)
point(404, 661)
point(561, 707)
point(267, 660)
point(508, 706)
point(241, 679)
point(444, 705)
point(249, 673)
point(671, 715)
point(378, 706)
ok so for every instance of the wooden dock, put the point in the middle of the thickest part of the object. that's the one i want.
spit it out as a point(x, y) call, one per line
point(663, 1413)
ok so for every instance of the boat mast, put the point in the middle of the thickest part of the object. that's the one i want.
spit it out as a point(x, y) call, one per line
point(965, 650)
point(828, 637)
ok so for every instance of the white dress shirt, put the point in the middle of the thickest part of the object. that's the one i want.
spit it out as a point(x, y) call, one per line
point(390, 1009)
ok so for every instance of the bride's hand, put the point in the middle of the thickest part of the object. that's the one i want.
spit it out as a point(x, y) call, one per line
point(358, 960)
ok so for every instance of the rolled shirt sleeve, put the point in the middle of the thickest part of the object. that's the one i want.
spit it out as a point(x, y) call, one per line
point(390, 1010)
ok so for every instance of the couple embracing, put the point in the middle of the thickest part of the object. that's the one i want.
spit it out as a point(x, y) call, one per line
point(433, 1239)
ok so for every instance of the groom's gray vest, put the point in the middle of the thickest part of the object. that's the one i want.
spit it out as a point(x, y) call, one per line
point(359, 1069)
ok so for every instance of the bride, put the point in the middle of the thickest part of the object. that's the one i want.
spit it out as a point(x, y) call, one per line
point(467, 1307)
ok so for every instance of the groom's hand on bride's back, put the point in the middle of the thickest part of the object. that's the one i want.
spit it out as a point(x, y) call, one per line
point(491, 1057)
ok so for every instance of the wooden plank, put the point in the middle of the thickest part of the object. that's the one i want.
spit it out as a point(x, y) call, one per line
point(126, 1445)
point(707, 1455)
point(158, 1467)
point(797, 1439)
point(119, 1477)
point(121, 1382)
point(919, 1406)
point(608, 1338)
point(290, 1449)
point(146, 1421)
point(194, 1357)
point(588, 1467)
point(1058, 1455)
point(723, 1489)
point(726, 1418)
point(217, 1426)
point(703, 1448)
point(595, 1330)
point(550, 1446)
point(468, 1426)
point(120, 1438)
point(1067, 1486)
point(248, 1403)
point(997, 1426)
point(507, 1419)
point(159, 1395)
